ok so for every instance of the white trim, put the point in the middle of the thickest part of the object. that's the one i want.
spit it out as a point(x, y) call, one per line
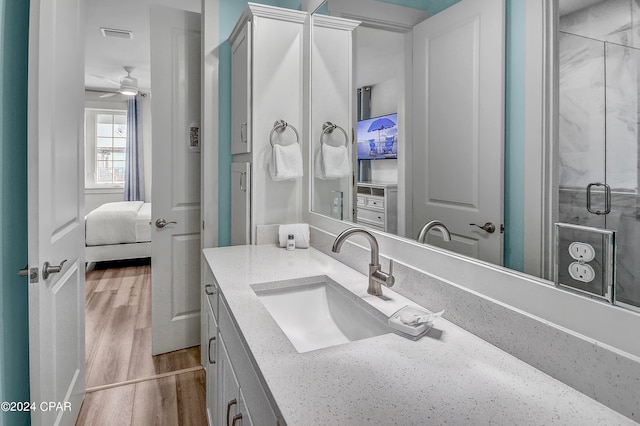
point(210, 122)
point(324, 21)
point(538, 143)
point(379, 15)
point(263, 11)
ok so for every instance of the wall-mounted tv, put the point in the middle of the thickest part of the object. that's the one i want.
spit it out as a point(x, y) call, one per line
point(378, 138)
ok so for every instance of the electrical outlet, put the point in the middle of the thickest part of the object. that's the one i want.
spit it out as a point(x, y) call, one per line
point(581, 272)
point(582, 251)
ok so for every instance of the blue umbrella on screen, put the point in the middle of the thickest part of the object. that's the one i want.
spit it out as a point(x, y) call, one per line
point(380, 124)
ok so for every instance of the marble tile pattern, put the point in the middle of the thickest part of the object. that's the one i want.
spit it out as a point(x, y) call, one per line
point(599, 95)
point(598, 127)
point(613, 377)
point(625, 221)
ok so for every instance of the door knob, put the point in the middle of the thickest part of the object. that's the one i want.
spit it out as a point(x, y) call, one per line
point(161, 223)
point(489, 227)
point(48, 269)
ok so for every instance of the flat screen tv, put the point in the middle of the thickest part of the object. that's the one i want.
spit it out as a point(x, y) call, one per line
point(378, 138)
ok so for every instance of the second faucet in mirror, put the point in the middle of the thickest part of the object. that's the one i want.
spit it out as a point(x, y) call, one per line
point(434, 224)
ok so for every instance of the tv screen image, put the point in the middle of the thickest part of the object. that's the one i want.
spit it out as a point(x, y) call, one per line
point(378, 137)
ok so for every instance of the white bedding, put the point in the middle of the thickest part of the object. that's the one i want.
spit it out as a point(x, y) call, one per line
point(118, 223)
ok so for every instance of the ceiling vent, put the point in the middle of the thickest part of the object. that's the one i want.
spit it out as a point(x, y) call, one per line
point(111, 32)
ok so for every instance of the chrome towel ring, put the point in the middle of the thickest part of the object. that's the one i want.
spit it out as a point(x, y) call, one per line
point(328, 128)
point(280, 126)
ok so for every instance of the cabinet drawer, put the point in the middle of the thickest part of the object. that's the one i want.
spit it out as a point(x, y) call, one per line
point(370, 216)
point(258, 403)
point(361, 201)
point(375, 202)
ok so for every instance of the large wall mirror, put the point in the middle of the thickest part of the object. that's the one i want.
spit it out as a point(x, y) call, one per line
point(426, 138)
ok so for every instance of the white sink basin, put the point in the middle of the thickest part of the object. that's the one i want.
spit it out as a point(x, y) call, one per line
point(317, 313)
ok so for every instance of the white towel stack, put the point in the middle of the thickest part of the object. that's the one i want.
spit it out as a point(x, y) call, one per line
point(299, 230)
point(332, 162)
point(286, 162)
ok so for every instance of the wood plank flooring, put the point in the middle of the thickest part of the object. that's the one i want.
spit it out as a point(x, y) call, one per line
point(122, 380)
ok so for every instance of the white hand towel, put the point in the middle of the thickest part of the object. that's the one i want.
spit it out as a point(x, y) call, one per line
point(286, 162)
point(299, 230)
point(333, 162)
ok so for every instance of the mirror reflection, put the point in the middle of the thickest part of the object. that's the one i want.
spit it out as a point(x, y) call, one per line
point(428, 134)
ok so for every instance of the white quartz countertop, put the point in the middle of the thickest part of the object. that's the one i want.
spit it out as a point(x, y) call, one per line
point(449, 376)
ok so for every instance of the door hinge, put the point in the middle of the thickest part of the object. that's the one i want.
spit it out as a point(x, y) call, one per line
point(203, 225)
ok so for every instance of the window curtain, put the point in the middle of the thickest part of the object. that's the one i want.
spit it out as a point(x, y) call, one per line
point(134, 173)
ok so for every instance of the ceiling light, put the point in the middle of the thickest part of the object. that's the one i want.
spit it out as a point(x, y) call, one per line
point(128, 84)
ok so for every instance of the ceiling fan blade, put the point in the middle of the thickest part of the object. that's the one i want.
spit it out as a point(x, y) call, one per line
point(107, 95)
point(117, 83)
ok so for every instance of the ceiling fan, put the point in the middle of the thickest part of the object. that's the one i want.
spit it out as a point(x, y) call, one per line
point(128, 85)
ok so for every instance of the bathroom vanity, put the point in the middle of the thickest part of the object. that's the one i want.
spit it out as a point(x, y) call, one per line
point(256, 375)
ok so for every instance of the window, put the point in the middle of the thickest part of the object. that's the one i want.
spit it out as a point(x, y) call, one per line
point(111, 138)
point(105, 150)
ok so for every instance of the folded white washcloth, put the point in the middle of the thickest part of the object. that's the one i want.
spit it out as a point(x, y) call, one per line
point(299, 230)
point(286, 162)
point(333, 162)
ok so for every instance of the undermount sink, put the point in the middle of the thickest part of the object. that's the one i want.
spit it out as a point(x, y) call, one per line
point(317, 313)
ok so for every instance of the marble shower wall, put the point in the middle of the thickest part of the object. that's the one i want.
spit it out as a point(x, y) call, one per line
point(598, 126)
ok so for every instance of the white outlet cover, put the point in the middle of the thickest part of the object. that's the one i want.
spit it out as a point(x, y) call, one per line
point(582, 251)
point(581, 272)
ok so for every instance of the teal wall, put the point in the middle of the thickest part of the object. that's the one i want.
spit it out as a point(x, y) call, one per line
point(230, 11)
point(514, 135)
point(14, 337)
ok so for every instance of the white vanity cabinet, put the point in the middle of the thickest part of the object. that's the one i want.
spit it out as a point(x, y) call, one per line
point(266, 87)
point(378, 206)
point(235, 395)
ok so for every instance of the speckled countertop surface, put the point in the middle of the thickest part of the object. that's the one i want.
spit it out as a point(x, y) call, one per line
point(449, 376)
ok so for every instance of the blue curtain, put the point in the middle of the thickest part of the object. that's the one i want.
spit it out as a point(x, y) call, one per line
point(134, 173)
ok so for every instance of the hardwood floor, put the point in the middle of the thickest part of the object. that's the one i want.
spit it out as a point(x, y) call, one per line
point(125, 384)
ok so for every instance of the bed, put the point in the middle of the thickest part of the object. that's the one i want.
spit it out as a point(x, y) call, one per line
point(116, 231)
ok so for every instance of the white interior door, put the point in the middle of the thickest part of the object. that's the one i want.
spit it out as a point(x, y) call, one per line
point(457, 160)
point(56, 210)
point(175, 247)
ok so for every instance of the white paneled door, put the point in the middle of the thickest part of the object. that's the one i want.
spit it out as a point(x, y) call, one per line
point(56, 210)
point(175, 237)
point(458, 134)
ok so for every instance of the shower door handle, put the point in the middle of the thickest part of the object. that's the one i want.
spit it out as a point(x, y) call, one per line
point(607, 199)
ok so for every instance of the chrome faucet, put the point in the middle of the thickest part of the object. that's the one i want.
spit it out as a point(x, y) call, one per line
point(434, 224)
point(376, 275)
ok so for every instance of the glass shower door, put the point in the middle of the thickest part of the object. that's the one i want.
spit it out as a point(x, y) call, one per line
point(598, 152)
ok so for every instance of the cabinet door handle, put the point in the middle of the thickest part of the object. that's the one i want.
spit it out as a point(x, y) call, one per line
point(229, 405)
point(236, 418)
point(213, 339)
point(243, 133)
point(207, 289)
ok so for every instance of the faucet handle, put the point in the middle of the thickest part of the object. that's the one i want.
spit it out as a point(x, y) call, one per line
point(391, 280)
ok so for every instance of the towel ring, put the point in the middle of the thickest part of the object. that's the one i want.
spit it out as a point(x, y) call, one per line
point(328, 128)
point(280, 126)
